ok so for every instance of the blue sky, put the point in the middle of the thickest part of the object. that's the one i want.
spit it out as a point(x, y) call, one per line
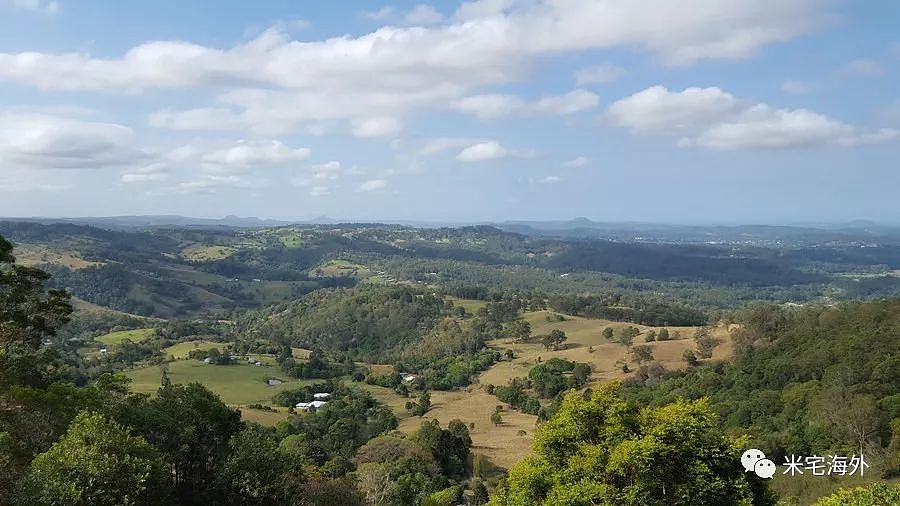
point(763, 111)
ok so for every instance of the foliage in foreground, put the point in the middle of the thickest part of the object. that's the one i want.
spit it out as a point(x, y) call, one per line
point(876, 494)
point(603, 450)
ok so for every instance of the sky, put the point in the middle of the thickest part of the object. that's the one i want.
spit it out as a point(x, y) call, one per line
point(696, 111)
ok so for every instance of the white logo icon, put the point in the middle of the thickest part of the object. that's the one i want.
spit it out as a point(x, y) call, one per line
point(764, 468)
point(756, 461)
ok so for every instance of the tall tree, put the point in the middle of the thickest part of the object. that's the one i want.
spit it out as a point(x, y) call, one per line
point(604, 451)
point(29, 313)
point(97, 462)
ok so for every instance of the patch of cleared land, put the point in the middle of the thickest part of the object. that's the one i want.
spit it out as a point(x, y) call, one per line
point(340, 268)
point(263, 417)
point(471, 306)
point(32, 254)
point(181, 350)
point(504, 445)
point(113, 338)
point(207, 252)
point(237, 384)
point(607, 356)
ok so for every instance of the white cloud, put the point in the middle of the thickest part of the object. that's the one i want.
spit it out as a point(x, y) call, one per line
point(37, 5)
point(273, 84)
point(549, 180)
point(714, 119)
point(43, 141)
point(496, 105)
point(482, 152)
point(423, 14)
point(375, 127)
point(440, 144)
point(864, 67)
point(580, 161)
point(252, 154)
point(656, 109)
point(598, 74)
point(371, 185)
point(762, 127)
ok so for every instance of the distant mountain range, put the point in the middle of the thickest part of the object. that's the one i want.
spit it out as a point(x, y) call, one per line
point(799, 234)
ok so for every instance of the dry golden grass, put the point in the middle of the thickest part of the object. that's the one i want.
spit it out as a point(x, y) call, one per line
point(504, 445)
point(30, 255)
point(606, 357)
point(263, 417)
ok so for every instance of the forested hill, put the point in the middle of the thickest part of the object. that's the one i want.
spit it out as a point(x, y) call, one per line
point(176, 272)
point(806, 381)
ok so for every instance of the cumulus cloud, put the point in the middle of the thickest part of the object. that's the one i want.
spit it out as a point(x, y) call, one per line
point(712, 118)
point(483, 152)
point(598, 74)
point(440, 144)
point(657, 110)
point(580, 161)
point(371, 185)
point(275, 84)
point(252, 154)
point(43, 141)
point(496, 105)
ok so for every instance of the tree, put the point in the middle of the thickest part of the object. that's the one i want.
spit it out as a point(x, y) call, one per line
point(421, 406)
point(706, 345)
point(393, 470)
point(875, 494)
point(689, 357)
point(663, 335)
point(496, 418)
point(626, 335)
point(193, 428)
point(97, 462)
point(519, 330)
point(479, 493)
point(642, 353)
point(603, 450)
point(28, 312)
point(259, 471)
point(651, 336)
point(608, 333)
point(554, 339)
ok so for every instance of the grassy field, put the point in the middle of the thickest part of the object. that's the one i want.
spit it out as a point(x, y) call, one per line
point(206, 252)
point(606, 358)
point(470, 305)
point(340, 268)
point(238, 384)
point(34, 254)
point(113, 338)
point(181, 350)
point(263, 417)
point(504, 444)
